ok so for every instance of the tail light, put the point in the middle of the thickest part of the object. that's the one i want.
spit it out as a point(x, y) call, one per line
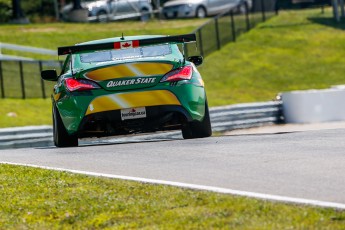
point(80, 84)
point(183, 73)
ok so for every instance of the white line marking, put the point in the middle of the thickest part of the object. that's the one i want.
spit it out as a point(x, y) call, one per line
point(196, 187)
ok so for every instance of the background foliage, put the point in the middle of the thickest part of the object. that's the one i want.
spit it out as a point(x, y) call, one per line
point(5, 10)
point(35, 10)
point(32, 9)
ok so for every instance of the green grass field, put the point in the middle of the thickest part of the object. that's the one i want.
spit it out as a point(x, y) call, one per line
point(43, 199)
point(295, 51)
point(53, 35)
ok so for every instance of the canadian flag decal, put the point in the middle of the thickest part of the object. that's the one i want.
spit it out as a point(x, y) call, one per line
point(126, 45)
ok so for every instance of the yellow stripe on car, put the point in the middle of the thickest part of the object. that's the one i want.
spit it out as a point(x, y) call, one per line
point(129, 70)
point(132, 100)
point(56, 96)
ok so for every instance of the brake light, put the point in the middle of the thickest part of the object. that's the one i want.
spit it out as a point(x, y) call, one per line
point(183, 73)
point(80, 84)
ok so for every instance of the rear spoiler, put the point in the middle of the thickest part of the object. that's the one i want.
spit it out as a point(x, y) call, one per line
point(186, 38)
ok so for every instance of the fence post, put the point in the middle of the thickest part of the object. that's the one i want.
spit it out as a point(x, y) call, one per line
point(200, 43)
point(233, 29)
point(2, 82)
point(247, 16)
point(263, 10)
point(217, 33)
point(42, 82)
point(22, 79)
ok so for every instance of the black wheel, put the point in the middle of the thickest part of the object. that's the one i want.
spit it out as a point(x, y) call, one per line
point(61, 137)
point(198, 129)
point(201, 12)
point(102, 16)
point(145, 15)
point(243, 8)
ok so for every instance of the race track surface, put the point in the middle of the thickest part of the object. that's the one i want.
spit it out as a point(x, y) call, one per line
point(307, 165)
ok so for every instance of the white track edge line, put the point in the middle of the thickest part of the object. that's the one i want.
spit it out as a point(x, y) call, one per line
point(195, 186)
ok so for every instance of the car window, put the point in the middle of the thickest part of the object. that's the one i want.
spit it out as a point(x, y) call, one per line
point(113, 55)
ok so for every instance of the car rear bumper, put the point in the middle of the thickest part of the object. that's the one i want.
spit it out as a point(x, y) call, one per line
point(99, 108)
point(110, 123)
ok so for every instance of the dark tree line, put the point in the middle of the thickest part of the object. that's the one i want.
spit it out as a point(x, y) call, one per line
point(17, 12)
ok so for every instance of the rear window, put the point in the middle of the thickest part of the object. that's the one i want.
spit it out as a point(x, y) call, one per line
point(113, 55)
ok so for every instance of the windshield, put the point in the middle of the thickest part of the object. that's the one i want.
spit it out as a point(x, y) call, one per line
point(113, 55)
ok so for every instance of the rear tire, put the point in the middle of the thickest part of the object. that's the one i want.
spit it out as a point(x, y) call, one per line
point(198, 129)
point(145, 15)
point(243, 8)
point(102, 16)
point(61, 137)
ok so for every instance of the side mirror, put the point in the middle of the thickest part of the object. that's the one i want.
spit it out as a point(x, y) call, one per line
point(197, 60)
point(49, 75)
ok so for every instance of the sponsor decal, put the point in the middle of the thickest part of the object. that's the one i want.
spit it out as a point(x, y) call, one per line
point(133, 113)
point(126, 45)
point(139, 80)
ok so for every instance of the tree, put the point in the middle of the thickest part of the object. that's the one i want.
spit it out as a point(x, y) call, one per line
point(76, 4)
point(17, 13)
point(17, 10)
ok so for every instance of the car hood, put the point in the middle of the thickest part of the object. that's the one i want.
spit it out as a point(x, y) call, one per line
point(182, 2)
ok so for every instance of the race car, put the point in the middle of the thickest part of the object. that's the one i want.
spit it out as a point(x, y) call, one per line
point(128, 85)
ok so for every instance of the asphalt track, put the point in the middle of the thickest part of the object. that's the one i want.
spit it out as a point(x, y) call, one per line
point(300, 165)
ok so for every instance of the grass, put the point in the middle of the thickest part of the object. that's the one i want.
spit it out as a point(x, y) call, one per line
point(53, 35)
point(295, 51)
point(31, 79)
point(17, 112)
point(42, 199)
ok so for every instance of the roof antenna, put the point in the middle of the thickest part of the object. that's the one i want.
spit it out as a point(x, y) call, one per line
point(122, 38)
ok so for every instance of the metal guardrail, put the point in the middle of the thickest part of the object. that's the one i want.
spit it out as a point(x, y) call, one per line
point(246, 115)
point(223, 118)
point(28, 49)
point(29, 136)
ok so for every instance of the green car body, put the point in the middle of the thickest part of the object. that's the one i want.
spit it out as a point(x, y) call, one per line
point(128, 85)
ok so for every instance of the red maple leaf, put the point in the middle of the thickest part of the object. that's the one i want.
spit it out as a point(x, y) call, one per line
point(133, 110)
point(126, 45)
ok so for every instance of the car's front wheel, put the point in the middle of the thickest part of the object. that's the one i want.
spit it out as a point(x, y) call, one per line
point(145, 15)
point(198, 129)
point(60, 135)
point(201, 12)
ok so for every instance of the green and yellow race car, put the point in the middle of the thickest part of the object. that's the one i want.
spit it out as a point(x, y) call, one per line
point(128, 85)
